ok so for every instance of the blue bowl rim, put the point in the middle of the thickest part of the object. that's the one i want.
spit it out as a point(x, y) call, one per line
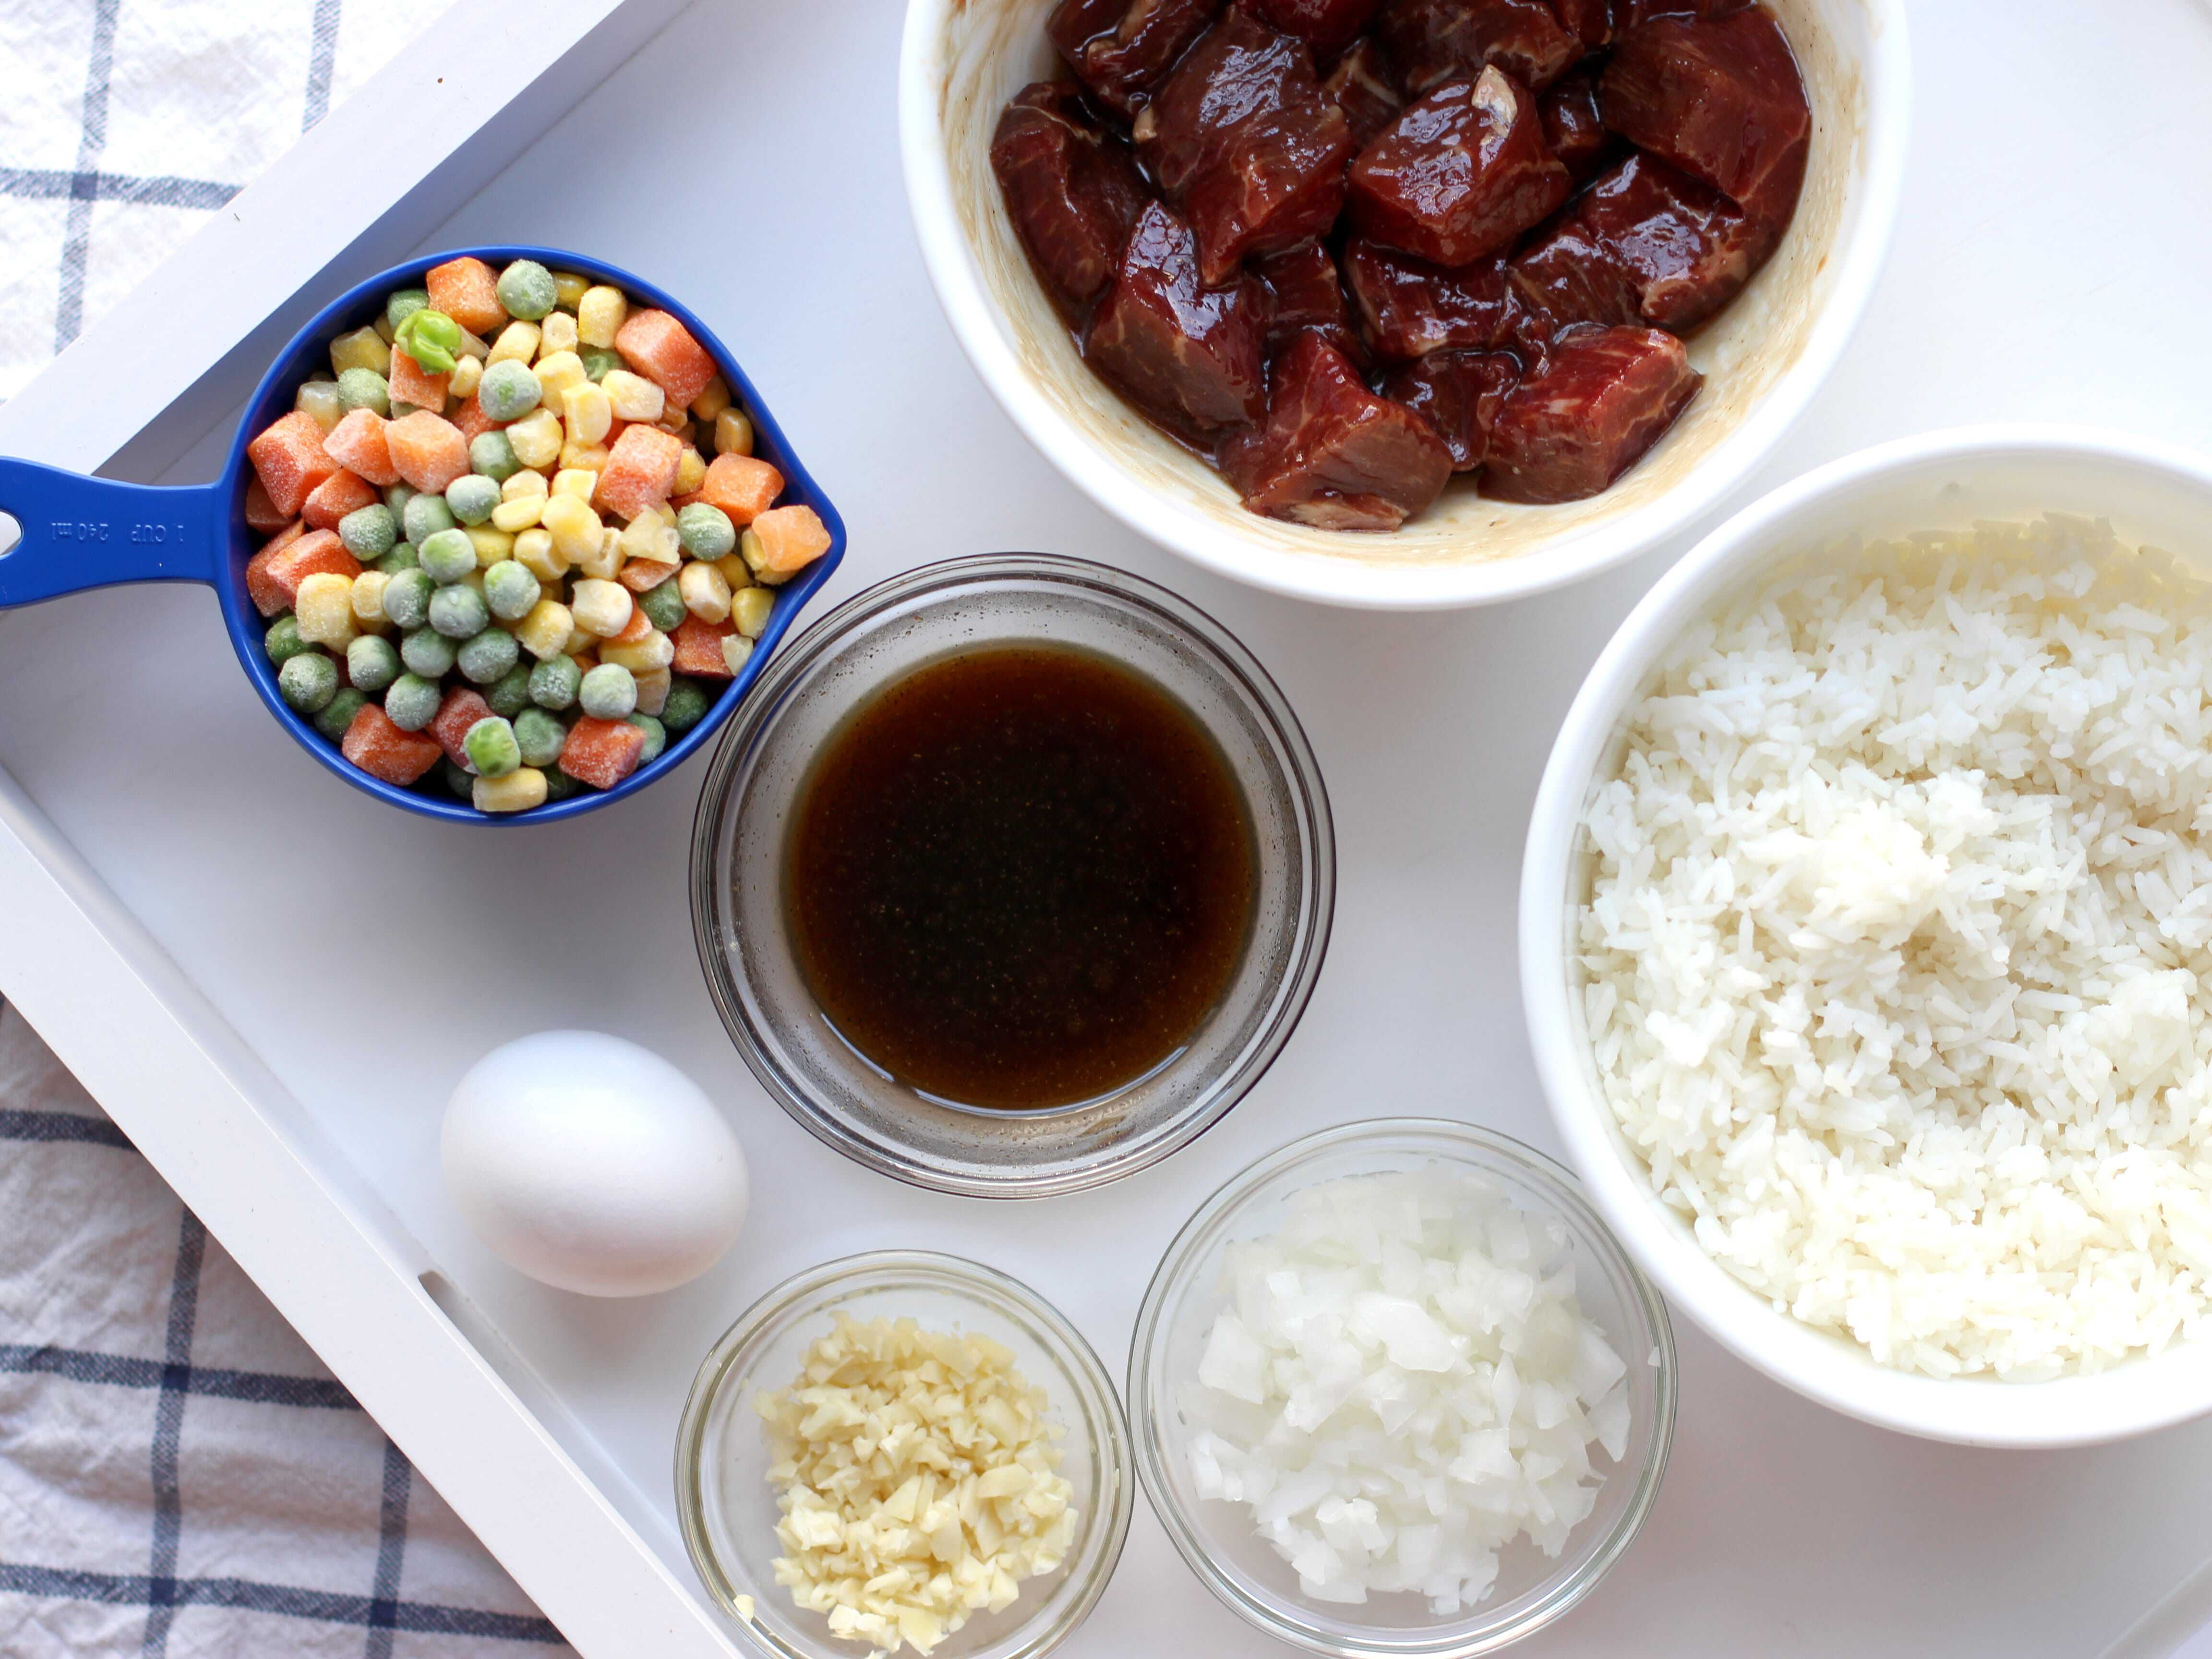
point(273, 397)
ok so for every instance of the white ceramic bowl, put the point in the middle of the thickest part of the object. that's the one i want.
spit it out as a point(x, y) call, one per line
point(1763, 357)
point(2151, 495)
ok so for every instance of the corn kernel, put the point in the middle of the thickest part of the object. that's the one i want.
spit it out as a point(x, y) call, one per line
point(557, 333)
point(384, 331)
point(323, 607)
point(676, 424)
point(568, 289)
point(518, 792)
point(467, 376)
point(736, 648)
point(319, 400)
point(527, 481)
point(576, 480)
point(653, 690)
point(536, 438)
point(735, 571)
point(576, 529)
point(519, 514)
point(655, 650)
point(367, 601)
point(603, 562)
point(706, 595)
point(750, 611)
point(474, 579)
point(517, 344)
point(588, 412)
point(492, 543)
point(714, 397)
point(599, 316)
point(581, 646)
point(362, 349)
point(556, 374)
point(472, 347)
point(691, 471)
point(545, 632)
point(633, 396)
point(601, 607)
point(644, 538)
point(733, 432)
point(533, 551)
point(584, 458)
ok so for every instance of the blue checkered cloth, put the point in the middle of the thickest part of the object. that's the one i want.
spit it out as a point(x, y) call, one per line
point(180, 1476)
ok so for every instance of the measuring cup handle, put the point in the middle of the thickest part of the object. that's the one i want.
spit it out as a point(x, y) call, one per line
point(80, 532)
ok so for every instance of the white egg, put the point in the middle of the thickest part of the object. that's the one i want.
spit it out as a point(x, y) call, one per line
point(592, 1165)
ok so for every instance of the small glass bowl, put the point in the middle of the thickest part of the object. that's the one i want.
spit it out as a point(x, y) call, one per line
point(746, 806)
point(727, 1508)
point(1217, 1538)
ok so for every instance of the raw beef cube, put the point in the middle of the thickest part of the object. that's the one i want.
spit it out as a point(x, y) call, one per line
point(1590, 21)
point(1072, 190)
point(332, 499)
point(1587, 414)
point(1122, 49)
point(428, 451)
point(602, 753)
point(699, 647)
point(1242, 142)
point(1332, 455)
point(409, 383)
point(662, 349)
point(289, 459)
point(1407, 308)
point(1574, 130)
point(261, 513)
point(1303, 292)
point(640, 470)
point(383, 751)
point(1645, 244)
point(1721, 98)
point(356, 443)
point(1459, 173)
point(743, 486)
point(1459, 393)
point(1627, 14)
point(467, 290)
point(1189, 355)
point(1433, 41)
point(461, 709)
point(1327, 25)
point(1362, 86)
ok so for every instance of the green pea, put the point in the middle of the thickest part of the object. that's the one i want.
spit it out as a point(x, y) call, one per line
point(431, 338)
point(372, 662)
point(492, 455)
point(511, 590)
point(554, 684)
point(459, 779)
point(407, 597)
point(540, 736)
point(485, 656)
point(460, 613)
point(396, 496)
point(308, 681)
point(609, 692)
point(598, 360)
point(509, 695)
point(559, 786)
point(413, 700)
point(471, 497)
point(687, 705)
point(706, 530)
point(663, 606)
point(337, 713)
point(446, 558)
point(508, 391)
point(283, 641)
point(402, 557)
point(428, 652)
point(404, 303)
point(656, 738)
point(369, 533)
point(527, 290)
point(491, 747)
point(364, 388)
point(424, 517)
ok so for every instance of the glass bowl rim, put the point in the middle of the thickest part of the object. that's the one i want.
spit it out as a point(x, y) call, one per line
point(1450, 1139)
point(1308, 793)
point(1052, 1329)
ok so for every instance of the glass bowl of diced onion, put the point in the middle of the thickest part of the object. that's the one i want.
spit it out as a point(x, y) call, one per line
point(727, 1502)
point(1227, 1268)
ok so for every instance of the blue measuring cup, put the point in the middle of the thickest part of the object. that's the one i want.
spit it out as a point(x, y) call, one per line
point(80, 532)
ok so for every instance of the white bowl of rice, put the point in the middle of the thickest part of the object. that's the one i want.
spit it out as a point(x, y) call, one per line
point(1866, 935)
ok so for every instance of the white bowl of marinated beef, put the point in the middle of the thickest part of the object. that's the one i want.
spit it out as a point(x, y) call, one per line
point(1409, 303)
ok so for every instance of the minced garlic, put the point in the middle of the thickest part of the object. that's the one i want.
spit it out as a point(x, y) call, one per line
point(916, 1478)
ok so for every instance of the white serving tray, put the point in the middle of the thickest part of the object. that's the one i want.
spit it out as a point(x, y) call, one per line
point(273, 987)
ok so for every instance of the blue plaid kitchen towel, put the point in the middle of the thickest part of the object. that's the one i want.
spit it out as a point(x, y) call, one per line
point(124, 123)
point(180, 1476)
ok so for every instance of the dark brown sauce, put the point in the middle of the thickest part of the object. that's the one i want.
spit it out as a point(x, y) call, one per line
point(1020, 878)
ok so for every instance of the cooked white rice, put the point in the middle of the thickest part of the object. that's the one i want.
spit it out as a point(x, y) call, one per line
point(1897, 939)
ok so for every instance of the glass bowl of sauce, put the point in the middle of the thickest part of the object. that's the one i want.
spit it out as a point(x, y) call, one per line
point(1013, 876)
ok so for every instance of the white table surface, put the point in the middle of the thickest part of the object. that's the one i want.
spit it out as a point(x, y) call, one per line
point(2051, 262)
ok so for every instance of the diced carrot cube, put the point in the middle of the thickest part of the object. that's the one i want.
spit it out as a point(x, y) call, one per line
point(640, 470)
point(602, 753)
point(641, 575)
point(284, 538)
point(316, 553)
point(699, 647)
point(679, 502)
point(662, 349)
point(743, 486)
point(410, 384)
point(290, 460)
point(461, 709)
point(260, 586)
point(357, 444)
point(633, 631)
point(469, 420)
point(467, 290)
point(427, 450)
point(261, 513)
point(384, 751)
point(791, 537)
point(335, 497)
